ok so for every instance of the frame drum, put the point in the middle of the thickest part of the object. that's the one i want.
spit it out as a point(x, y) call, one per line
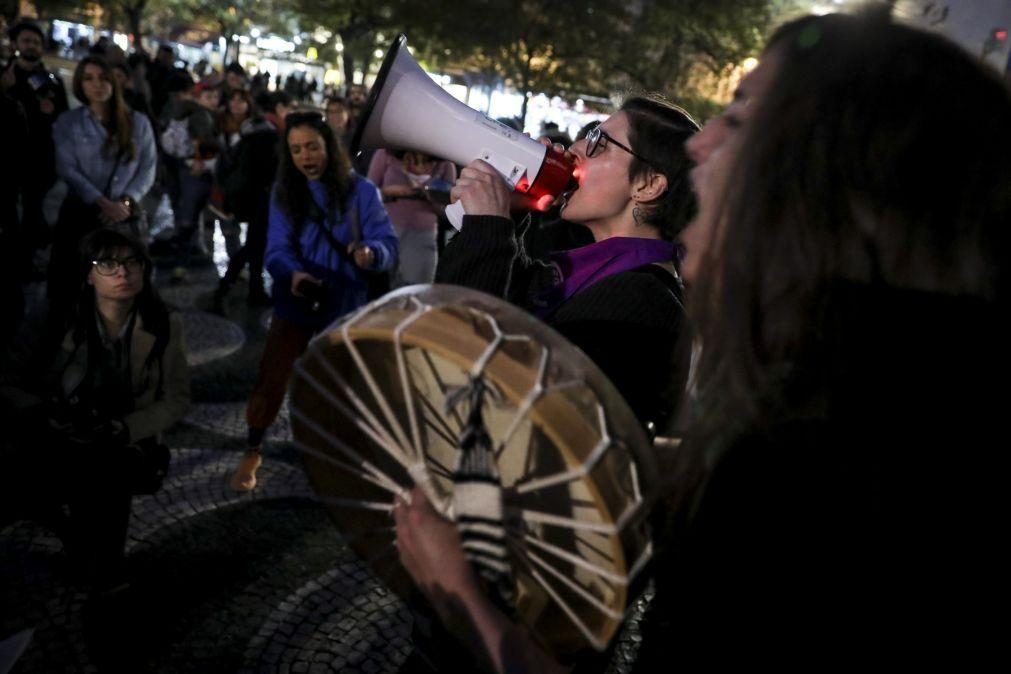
point(375, 408)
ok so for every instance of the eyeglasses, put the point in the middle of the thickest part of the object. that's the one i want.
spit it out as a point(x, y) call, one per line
point(109, 265)
point(597, 139)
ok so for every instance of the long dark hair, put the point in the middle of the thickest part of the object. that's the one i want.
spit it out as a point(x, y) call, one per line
point(119, 122)
point(229, 124)
point(293, 193)
point(658, 130)
point(148, 305)
point(855, 168)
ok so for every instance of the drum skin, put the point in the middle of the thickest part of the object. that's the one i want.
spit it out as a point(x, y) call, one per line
point(370, 412)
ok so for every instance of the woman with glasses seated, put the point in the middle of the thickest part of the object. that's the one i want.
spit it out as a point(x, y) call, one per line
point(118, 380)
point(620, 298)
point(328, 228)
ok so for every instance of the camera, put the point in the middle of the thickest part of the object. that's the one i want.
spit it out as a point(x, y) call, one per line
point(313, 293)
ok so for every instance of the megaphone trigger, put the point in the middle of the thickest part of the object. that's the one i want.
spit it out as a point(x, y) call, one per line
point(513, 172)
point(455, 213)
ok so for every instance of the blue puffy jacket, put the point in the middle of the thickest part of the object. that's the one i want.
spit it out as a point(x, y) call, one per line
point(313, 253)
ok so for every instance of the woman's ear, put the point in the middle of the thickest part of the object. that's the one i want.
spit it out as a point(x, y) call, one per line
point(649, 186)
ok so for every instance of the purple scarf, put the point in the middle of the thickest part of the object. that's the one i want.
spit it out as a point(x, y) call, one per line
point(582, 267)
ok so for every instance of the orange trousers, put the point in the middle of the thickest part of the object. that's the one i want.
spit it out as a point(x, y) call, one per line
point(285, 343)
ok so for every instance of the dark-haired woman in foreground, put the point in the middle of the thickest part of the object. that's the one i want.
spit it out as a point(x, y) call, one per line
point(840, 492)
point(327, 227)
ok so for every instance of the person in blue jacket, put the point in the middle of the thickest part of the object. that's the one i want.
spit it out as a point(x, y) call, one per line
point(328, 228)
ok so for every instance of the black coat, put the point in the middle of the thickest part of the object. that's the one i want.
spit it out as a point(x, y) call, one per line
point(868, 532)
point(14, 138)
point(30, 89)
point(249, 171)
point(630, 324)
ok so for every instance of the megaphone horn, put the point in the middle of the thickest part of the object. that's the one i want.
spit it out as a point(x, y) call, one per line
point(407, 110)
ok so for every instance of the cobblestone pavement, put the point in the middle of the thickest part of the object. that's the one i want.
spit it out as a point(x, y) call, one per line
point(220, 582)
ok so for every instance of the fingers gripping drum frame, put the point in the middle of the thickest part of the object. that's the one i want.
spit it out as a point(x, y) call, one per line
point(512, 432)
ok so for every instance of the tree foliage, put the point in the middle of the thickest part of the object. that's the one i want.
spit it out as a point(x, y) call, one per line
point(533, 45)
point(667, 40)
point(529, 44)
point(130, 13)
point(358, 23)
point(598, 47)
point(557, 46)
point(9, 10)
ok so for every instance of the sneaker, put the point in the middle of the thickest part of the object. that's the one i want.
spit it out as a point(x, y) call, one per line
point(244, 478)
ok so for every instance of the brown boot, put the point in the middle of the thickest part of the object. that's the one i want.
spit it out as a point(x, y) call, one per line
point(244, 478)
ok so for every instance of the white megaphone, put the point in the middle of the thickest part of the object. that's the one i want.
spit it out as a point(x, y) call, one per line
point(407, 110)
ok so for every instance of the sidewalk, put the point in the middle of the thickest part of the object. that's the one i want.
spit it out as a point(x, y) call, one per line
point(221, 582)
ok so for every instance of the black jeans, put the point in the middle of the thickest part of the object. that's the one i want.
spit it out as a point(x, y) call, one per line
point(82, 492)
point(251, 253)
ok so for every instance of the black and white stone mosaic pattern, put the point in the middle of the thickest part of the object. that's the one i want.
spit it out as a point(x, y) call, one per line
point(230, 419)
point(330, 625)
point(219, 581)
point(210, 337)
point(198, 484)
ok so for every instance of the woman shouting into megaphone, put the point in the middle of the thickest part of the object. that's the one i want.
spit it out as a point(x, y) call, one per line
point(619, 298)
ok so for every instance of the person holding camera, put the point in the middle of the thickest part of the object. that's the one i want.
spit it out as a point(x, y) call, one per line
point(328, 230)
point(116, 382)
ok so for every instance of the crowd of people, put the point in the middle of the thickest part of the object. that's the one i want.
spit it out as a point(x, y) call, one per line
point(189, 123)
point(223, 149)
point(808, 290)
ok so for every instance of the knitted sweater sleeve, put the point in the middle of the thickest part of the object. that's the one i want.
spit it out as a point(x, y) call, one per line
point(486, 255)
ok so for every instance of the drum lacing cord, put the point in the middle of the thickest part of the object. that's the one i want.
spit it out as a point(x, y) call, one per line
point(477, 494)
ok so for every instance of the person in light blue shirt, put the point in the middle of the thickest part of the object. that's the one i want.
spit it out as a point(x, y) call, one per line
point(106, 154)
point(328, 229)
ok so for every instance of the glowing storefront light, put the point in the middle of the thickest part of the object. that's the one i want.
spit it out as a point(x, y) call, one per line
point(274, 43)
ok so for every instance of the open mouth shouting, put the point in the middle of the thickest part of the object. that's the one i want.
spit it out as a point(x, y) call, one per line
point(570, 189)
point(312, 171)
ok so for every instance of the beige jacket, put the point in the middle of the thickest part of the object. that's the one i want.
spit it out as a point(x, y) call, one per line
point(152, 415)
